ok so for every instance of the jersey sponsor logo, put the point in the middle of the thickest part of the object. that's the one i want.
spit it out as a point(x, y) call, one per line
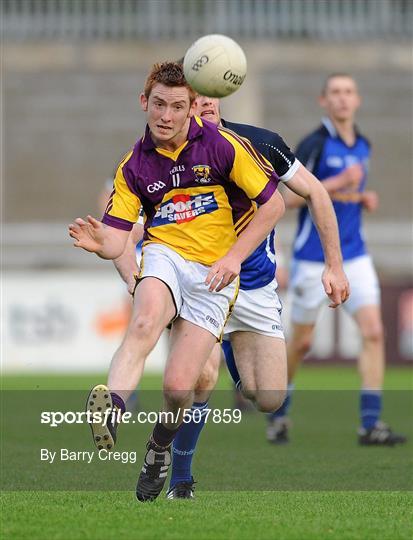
point(202, 60)
point(202, 173)
point(182, 208)
point(156, 186)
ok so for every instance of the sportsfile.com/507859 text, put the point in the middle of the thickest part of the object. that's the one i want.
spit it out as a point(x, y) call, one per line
point(215, 416)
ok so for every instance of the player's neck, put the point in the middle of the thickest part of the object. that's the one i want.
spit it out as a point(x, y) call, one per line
point(345, 128)
point(173, 144)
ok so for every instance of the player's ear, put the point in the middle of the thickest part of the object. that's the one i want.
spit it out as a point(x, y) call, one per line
point(144, 102)
point(191, 109)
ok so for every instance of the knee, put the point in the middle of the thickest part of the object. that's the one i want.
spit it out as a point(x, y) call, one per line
point(207, 379)
point(373, 334)
point(143, 326)
point(249, 393)
point(174, 394)
point(269, 401)
point(301, 345)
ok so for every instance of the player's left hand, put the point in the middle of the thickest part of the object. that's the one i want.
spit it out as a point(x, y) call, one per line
point(336, 285)
point(88, 235)
point(222, 273)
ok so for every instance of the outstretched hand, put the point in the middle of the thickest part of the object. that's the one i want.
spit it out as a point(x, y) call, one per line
point(222, 273)
point(336, 285)
point(88, 235)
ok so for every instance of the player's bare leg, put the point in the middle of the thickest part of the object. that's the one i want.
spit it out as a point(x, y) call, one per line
point(298, 346)
point(147, 322)
point(371, 360)
point(262, 365)
point(182, 482)
point(191, 346)
point(371, 367)
point(209, 376)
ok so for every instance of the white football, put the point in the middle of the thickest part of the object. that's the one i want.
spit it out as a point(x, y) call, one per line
point(215, 65)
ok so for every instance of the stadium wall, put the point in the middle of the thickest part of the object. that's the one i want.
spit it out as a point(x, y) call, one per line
point(71, 112)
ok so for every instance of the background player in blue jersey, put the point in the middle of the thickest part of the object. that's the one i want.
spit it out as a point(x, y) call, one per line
point(258, 362)
point(339, 155)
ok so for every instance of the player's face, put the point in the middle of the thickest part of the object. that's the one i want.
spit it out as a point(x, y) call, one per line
point(168, 113)
point(207, 108)
point(341, 98)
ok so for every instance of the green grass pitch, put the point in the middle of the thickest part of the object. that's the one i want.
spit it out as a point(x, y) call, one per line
point(346, 492)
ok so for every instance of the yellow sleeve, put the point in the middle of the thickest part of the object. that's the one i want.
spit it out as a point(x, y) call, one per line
point(251, 171)
point(123, 206)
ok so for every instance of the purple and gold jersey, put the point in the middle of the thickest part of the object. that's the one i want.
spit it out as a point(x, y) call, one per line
point(197, 199)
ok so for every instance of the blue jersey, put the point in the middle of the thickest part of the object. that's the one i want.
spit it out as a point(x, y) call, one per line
point(259, 268)
point(325, 154)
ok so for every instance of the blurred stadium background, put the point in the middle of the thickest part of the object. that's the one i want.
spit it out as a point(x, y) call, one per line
point(72, 71)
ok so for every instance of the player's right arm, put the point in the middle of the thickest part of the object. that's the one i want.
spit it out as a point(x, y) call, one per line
point(306, 186)
point(256, 177)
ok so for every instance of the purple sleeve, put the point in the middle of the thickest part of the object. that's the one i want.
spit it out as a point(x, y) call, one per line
point(268, 191)
point(117, 223)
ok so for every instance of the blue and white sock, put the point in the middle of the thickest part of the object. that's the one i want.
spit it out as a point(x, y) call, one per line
point(285, 407)
point(230, 361)
point(185, 442)
point(370, 407)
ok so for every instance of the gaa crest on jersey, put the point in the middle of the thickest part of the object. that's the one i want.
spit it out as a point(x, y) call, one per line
point(202, 173)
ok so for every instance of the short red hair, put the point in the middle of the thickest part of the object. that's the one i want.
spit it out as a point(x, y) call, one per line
point(169, 74)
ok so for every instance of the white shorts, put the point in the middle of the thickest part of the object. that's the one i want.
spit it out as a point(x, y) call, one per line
point(257, 310)
point(307, 291)
point(186, 281)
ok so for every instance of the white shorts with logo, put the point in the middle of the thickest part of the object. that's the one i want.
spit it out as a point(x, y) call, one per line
point(307, 291)
point(257, 310)
point(186, 281)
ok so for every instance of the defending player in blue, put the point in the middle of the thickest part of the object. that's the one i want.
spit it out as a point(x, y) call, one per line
point(254, 344)
point(338, 155)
